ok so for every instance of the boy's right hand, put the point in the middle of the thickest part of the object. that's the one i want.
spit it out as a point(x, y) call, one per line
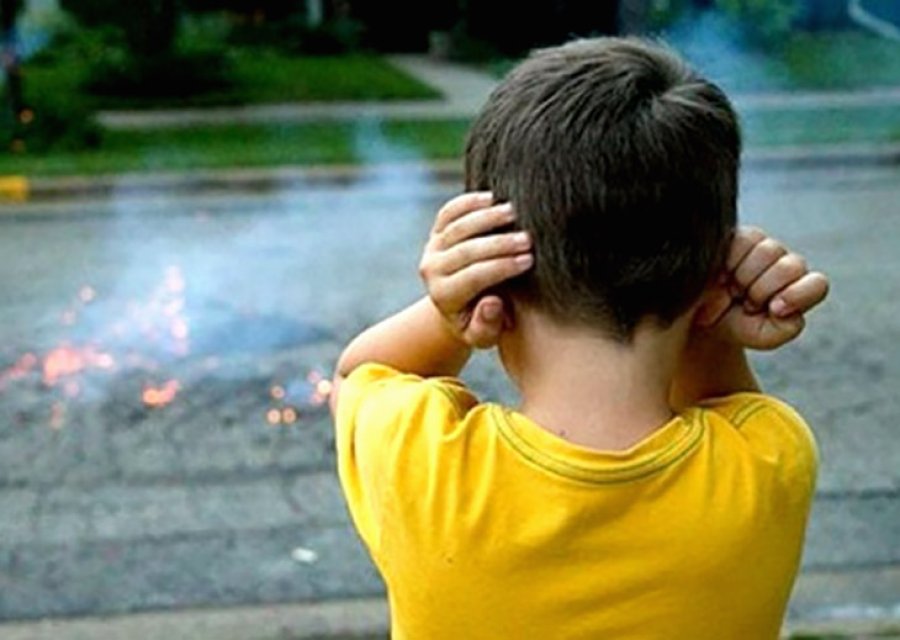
point(465, 256)
point(762, 296)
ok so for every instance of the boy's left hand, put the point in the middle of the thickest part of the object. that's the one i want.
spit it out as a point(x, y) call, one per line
point(465, 256)
point(763, 295)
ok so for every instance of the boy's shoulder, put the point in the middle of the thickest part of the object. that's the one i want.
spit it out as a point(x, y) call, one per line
point(770, 427)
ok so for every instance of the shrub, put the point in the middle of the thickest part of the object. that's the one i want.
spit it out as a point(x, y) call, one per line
point(295, 35)
point(765, 21)
point(168, 75)
point(55, 123)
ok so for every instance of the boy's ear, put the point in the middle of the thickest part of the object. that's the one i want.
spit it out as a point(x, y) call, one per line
point(714, 303)
point(509, 313)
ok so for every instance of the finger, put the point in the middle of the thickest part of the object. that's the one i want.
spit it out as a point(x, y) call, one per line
point(486, 324)
point(460, 206)
point(485, 248)
point(745, 238)
point(716, 304)
point(778, 332)
point(760, 258)
point(476, 223)
point(762, 331)
point(788, 269)
point(801, 296)
point(464, 285)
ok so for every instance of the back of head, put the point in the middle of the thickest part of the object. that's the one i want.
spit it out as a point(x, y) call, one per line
point(622, 163)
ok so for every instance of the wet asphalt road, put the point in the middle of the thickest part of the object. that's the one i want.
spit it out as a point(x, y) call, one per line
point(226, 309)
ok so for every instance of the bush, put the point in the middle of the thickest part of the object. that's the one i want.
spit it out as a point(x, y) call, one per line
point(112, 69)
point(294, 35)
point(53, 123)
point(170, 75)
point(149, 26)
point(764, 21)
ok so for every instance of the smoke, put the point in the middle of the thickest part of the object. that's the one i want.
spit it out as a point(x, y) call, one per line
point(169, 288)
point(716, 46)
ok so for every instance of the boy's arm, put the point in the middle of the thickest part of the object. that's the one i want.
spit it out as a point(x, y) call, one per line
point(758, 303)
point(435, 336)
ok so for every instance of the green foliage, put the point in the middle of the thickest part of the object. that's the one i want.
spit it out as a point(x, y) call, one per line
point(168, 75)
point(56, 123)
point(255, 77)
point(663, 13)
point(149, 26)
point(110, 66)
point(764, 21)
point(294, 35)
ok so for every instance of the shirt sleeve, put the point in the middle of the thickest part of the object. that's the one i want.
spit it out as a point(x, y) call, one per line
point(774, 430)
point(387, 424)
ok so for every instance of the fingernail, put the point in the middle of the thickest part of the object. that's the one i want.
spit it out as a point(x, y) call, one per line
point(522, 238)
point(779, 307)
point(524, 260)
point(486, 196)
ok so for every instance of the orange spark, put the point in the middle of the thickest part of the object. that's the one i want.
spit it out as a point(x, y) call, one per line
point(67, 360)
point(323, 388)
point(289, 415)
point(277, 392)
point(273, 416)
point(162, 395)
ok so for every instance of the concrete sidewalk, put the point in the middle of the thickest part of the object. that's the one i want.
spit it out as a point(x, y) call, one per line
point(464, 89)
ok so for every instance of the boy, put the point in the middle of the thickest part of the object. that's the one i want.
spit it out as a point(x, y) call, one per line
point(644, 488)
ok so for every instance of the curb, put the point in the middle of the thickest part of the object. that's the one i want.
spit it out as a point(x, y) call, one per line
point(206, 180)
point(20, 189)
point(359, 619)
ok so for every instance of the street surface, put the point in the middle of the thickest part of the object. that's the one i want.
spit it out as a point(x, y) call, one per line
point(163, 372)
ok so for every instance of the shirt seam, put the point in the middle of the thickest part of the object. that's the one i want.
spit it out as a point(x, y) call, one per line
point(574, 472)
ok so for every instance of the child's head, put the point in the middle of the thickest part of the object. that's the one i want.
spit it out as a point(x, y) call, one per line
point(622, 163)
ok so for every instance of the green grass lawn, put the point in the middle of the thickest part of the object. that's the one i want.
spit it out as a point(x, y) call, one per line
point(249, 146)
point(259, 76)
point(361, 142)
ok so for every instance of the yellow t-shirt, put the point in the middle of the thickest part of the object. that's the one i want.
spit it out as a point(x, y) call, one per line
point(484, 525)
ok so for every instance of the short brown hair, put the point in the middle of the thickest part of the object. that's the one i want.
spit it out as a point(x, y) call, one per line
point(623, 163)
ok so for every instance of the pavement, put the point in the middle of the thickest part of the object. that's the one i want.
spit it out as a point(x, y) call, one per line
point(203, 519)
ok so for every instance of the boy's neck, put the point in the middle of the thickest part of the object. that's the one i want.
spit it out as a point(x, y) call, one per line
point(592, 390)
